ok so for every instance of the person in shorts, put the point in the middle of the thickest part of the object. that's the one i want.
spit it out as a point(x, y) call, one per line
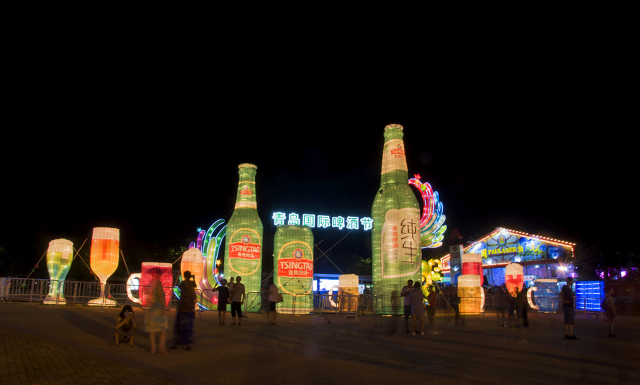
point(237, 301)
point(610, 310)
point(223, 299)
point(566, 294)
point(407, 303)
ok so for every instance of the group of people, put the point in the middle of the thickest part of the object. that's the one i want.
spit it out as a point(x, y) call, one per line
point(514, 303)
point(414, 307)
point(156, 318)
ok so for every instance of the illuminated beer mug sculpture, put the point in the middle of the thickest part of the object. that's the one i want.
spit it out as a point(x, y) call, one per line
point(59, 257)
point(348, 287)
point(105, 247)
point(470, 293)
point(150, 272)
point(472, 264)
point(514, 277)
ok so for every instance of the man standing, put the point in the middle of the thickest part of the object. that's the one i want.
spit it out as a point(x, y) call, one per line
point(407, 303)
point(237, 301)
point(566, 294)
point(610, 310)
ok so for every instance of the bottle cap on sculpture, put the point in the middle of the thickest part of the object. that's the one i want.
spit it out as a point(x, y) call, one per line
point(248, 165)
point(399, 126)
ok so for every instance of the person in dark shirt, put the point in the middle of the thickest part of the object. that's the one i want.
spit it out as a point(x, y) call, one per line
point(223, 299)
point(566, 294)
point(183, 329)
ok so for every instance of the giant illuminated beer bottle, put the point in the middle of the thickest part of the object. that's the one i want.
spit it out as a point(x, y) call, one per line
point(243, 253)
point(396, 227)
point(293, 268)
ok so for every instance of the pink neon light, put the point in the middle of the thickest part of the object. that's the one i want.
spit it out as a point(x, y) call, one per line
point(199, 241)
point(427, 198)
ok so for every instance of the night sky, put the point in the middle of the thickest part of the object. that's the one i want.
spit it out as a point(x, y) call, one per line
point(548, 163)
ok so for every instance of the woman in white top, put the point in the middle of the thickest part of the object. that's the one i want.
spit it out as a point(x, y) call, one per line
point(273, 299)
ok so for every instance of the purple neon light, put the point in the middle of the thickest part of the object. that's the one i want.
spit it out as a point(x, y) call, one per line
point(199, 241)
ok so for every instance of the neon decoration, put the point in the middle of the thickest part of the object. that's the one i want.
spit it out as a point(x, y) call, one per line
point(589, 295)
point(432, 220)
point(395, 235)
point(470, 293)
point(59, 257)
point(435, 270)
point(293, 272)
point(149, 273)
point(323, 221)
point(193, 263)
point(105, 249)
point(514, 277)
point(243, 251)
point(472, 264)
point(530, 300)
point(547, 293)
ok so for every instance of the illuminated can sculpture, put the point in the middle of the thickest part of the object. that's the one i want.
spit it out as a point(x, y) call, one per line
point(396, 255)
point(514, 277)
point(59, 257)
point(150, 272)
point(472, 264)
point(348, 286)
point(105, 249)
point(293, 273)
point(243, 254)
point(470, 293)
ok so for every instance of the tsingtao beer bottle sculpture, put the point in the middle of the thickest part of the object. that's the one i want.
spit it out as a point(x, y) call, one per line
point(396, 227)
point(243, 253)
point(59, 257)
point(293, 268)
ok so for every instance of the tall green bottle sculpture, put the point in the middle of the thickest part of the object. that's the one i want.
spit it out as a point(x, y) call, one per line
point(396, 227)
point(243, 251)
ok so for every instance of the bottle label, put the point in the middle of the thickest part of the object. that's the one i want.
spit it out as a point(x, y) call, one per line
point(295, 261)
point(246, 197)
point(400, 243)
point(244, 251)
point(393, 156)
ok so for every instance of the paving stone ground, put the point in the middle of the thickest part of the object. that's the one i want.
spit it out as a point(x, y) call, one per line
point(70, 345)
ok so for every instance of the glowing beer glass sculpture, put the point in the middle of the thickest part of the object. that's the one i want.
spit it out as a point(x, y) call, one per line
point(348, 285)
point(105, 247)
point(192, 261)
point(59, 257)
point(514, 277)
point(151, 272)
point(470, 293)
point(472, 264)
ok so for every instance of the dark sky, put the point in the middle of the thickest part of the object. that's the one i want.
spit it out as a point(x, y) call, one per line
point(158, 165)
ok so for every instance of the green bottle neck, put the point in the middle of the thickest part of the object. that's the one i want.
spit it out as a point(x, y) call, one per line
point(246, 196)
point(394, 162)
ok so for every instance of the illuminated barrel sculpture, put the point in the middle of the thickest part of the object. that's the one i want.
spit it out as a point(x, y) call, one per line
point(347, 287)
point(293, 273)
point(59, 257)
point(396, 255)
point(470, 293)
point(105, 247)
point(150, 272)
point(243, 254)
point(472, 264)
point(514, 277)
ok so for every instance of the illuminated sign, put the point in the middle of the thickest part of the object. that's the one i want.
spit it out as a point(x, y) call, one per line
point(322, 221)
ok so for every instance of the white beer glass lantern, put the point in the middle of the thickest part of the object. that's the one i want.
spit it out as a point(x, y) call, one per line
point(105, 247)
point(59, 257)
point(192, 262)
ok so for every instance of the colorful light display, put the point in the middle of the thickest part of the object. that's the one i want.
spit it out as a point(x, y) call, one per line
point(323, 221)
point(59, 257)
point(105, 249)
point(293, 272)
point(472, 264)
point(470, 293)
point(243, 254)
point(150, 272)
point(396, 226)
point(432, 220)
point(589, 295)
point(211, 246)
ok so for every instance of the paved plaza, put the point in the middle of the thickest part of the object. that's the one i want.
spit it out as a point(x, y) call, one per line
point(70, 345)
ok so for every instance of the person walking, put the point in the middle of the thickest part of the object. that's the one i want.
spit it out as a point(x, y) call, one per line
point(407, 303)
point(431, 310)
point(223, 299)
point(501, 299)
point(183, 329)
point(237, 301)
point(155, 319)
point(417, 308)
point(610, 310)
point(273, 300)
point(568, 305)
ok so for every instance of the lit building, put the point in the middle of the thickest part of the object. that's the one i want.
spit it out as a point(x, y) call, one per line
point(541, 257)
